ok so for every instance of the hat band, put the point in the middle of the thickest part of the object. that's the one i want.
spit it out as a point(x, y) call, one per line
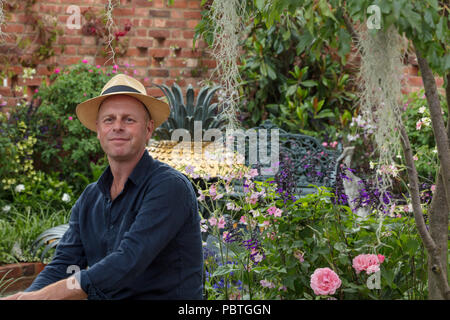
point(120, 88)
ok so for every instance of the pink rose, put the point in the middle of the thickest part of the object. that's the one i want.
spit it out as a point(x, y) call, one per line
point(84, 61)
point(57, 70)
point(366, 262)
point(373, 268)
point(325, 281)
point(380, 258)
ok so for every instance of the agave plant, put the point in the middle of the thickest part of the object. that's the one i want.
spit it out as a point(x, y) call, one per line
point(182, 115)
point(49, 238)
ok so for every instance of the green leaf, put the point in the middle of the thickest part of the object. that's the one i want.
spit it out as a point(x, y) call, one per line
point(324, 114)
point(309, 83)
point(260, 4)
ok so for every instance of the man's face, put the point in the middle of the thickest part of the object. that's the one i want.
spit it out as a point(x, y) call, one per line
point(123, 127)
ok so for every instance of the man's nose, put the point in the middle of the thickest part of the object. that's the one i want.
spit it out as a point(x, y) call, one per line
point(117, 125)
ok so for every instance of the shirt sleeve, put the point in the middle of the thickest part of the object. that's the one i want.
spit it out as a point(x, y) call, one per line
point(165, 209)
point(69, 256)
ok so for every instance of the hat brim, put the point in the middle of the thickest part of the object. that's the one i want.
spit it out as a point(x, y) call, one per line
point(87, 111)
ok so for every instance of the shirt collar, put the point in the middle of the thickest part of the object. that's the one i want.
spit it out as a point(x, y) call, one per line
point(136, 176)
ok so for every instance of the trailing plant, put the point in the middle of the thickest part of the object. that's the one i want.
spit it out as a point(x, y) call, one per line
point(106, 33)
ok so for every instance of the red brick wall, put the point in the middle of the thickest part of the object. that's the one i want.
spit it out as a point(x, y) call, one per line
point(156, 29)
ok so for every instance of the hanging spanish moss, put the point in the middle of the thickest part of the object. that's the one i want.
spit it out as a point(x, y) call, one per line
point(380, 97)
point(2, 21)
point(110, 27)
point(227, 18)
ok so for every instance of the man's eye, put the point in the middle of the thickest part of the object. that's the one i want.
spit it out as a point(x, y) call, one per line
point(130, 120)
point(107, 120)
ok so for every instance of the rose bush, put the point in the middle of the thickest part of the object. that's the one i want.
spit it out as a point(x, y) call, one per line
point(266, 244)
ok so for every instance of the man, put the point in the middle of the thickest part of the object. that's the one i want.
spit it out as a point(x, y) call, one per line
point(137, 228)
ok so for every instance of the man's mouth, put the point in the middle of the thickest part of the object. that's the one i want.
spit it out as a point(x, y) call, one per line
point(118, 139)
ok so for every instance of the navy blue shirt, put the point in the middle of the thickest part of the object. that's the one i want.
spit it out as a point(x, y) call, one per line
point(145, 244)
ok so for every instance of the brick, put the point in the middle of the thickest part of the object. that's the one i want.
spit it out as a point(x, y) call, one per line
point(159, 53)
point(141, 62)
point(155, 92)
point(89, 41)
point(159, 13)
point(68, 60)
point(69, 50)
point(191, 24)
point(87, 50)
point(176, 14)
point(133, 52)
point(13, 28)
point(10, 270)
point(209, 63)
point(415, 81)
point(141, 32)
point(141, 12)
point(181, 24)
point(188, 34)
point(160, 23)
point(194, 4)
point(192, 15)
point(158, 73)
point(159, 34)
point(123, 12)
point(191, 53)
point(147, 23)
point(180, 4)
point(69, 40)
point(175, 62)
point(141, 42)
point(159, 3)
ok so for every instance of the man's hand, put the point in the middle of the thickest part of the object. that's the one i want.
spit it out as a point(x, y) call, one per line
point(61, 290)
point(13, 296)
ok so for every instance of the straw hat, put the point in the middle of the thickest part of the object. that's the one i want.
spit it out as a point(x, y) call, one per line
point(122, 84)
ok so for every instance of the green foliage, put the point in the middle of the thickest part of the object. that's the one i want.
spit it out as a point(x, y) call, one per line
point(269, 248)
point(289, 76)
point(19, 227)
point(64, 145)
point(418, 126)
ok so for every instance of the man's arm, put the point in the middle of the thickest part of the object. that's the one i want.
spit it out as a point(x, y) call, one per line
point(61, 290)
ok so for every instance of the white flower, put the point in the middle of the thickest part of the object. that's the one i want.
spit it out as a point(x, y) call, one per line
point(426, 121)
point(65, 197)
point(19, 188)
point(6, 208)
point(422, 109)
